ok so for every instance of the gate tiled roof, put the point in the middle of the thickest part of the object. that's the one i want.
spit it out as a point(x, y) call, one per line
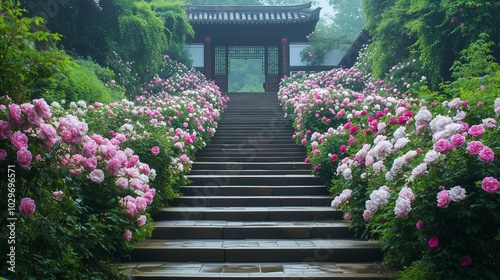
point(206, 14)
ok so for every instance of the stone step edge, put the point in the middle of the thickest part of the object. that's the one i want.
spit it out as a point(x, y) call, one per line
point(271, 270)
point(249, 209)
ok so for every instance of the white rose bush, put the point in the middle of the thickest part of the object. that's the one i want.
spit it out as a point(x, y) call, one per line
point(421, 175)
point(86, 178)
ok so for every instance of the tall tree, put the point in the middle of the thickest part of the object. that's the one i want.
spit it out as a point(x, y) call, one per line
point(433, 31)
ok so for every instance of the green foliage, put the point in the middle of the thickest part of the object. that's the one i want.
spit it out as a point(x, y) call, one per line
point(336, 33)
point(26, 54)
point(82, 80)
point(433, 31)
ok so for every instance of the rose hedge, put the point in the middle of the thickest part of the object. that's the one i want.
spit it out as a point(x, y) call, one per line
point(85, 180)
point(421, 176)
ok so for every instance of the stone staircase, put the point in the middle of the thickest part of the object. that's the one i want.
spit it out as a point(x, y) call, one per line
point(253, 211)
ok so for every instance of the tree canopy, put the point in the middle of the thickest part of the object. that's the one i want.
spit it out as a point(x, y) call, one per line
point(433, 31)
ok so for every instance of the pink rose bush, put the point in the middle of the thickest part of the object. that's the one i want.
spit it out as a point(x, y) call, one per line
point(94, 170)
point(411, 147)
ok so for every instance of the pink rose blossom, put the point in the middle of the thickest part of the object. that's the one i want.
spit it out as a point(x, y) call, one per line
point(113, 167)
point(336, 203)
point(15, 115)
point(27, 206)
point(89, 148)
point(24, 158)
point(433, 242)
point(141, 203)
point(443, 199)
point(457, 194)
point(475, 147)
point(367, 215)
point(127, 235)
point(141, 220)
point(465, 262)
point(490, 185)
point(406, 193)
point(442, 145)
point(58, 195)
point(42, 108)
point(97, 176)
point(19, 141)
point(486, 155)
point(403, 207)
point(122, 182)
point(343, 148)
point(5, 130)
point(155, 150)
point(420, 225)
point(149, 195)
point(184, 158)
point(3, 154)
point(476, 130)
point(490, 123)
point(457, 140)
point(48, 134)
point(89, 163)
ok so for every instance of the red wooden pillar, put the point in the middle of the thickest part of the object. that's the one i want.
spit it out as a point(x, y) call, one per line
point(284, 57)
point(207, 58)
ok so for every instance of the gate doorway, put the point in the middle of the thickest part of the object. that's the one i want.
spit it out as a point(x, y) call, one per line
point(246, 68)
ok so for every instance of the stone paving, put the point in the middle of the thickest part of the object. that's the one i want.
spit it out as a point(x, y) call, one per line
point(258, 270)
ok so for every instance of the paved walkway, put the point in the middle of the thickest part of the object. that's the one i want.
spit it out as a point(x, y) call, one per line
point(254, 211)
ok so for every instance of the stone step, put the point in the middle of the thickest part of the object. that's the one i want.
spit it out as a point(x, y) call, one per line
point(275, 213)
point(203, 229)
point(248, 172)
point(251, 152)
point(257, 250)
point(193, 190)
point(255, 159)
point(228, 201)
point(265, 180)
point(251, 166)
point(261, 271)
point(256, 143)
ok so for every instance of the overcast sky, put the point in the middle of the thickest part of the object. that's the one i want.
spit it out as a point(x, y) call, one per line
point(325, 7)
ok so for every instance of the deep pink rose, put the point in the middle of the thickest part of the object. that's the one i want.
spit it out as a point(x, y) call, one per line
point(3, 154)
point(457, 140)
point(442, 145)
point(27, 206)
point(24, 158)
point(486, 155)
point(433, 242)
point(15, 115)
point(19, 141)
point(5, 130)
point(490, 185)
point(343, 148)
point(476, 130)
point(127, 235)
point(475, 147)
point(443, 199)
point(465, 261)
point(113, 167)
point(97, 176)
point(307, 160)
point(420, 225)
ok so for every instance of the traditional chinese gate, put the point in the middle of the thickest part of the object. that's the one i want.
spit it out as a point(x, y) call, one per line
point(267, 54)
point(250, 32)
